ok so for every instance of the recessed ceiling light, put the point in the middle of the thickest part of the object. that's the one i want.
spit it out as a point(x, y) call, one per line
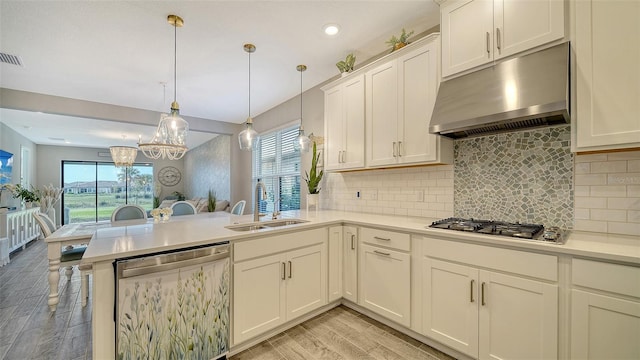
point(331, 29)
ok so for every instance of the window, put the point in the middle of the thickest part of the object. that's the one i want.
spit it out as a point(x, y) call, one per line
point(92, 190)
point(277, 165)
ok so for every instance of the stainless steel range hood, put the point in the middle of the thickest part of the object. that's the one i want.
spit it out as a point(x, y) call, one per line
point(525, 92)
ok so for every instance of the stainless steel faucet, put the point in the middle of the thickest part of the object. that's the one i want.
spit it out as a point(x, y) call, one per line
point(256, 205)
point(276, 212)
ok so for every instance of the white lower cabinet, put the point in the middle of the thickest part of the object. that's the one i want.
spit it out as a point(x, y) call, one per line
point(271, 290)
point(605, 311)
point(385, 278)
point(488, 314)
point(335, 263)
point(350, 263)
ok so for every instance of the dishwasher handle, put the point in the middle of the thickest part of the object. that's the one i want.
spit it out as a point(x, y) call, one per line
point(168, 262)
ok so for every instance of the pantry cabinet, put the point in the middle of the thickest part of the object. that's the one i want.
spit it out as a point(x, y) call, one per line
point(344, 124)
point(477, 32)
point(400, 95)
point(487, 309)
point(605, 310)
point(385, 274)
point(607, 76)
point(272, 289)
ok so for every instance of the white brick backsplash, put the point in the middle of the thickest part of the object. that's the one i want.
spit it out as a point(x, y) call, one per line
point(624, 228)
point(633, 166)
point(582, 191)
point(633, 190)
point(608, 167)
point(591, 158)
point(625, 155)
point(582, 214)
point(623, 179)
point(393, 191)
point(583, 168)
point(609, 215)
point(591, 179)
point(608, 191)
point(623, 203)
point(590, 225)
point(633, 216)
point(590, 202)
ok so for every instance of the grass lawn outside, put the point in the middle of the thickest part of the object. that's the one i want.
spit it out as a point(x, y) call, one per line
point(82, 207)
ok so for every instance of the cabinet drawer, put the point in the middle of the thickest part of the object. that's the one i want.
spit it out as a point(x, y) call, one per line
point(385, 238)
point(615, 278)
point(244, 250)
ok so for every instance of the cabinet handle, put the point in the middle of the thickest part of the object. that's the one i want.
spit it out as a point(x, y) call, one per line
point(394, 149)
point(290, 270)
point(353, 242)
point(339, 156)
point(381, 238)
point(343, 153)
point(471, 290)
point(381, 253)
point(498, 41)
point(482, 294)
point(488, 44)
point(284, 271)
point(399, 148)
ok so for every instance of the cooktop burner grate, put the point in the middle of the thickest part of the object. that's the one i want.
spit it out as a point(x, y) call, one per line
point(516, 230)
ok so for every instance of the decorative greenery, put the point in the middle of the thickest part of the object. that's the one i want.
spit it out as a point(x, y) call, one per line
point(156, 202)
point(398, 42)
point(346, 65)
point(22, 193)
point(180, 195)
point(188, 321)
point(211, 201)
point(312, 177)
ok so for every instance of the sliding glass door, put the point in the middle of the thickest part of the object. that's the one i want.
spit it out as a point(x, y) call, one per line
point(92, 190)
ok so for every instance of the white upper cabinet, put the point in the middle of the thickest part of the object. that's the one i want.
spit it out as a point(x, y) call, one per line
point(607, 52)
point(400, 95)
point(344, 124)
point(477, 32)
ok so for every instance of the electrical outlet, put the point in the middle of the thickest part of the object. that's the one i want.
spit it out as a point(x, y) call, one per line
point(357, 194)
point(419, 195)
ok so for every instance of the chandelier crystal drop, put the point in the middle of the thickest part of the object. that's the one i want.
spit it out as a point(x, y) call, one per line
point(170, 139)
point(123, 156)
point(302, 142)
point(248, 138)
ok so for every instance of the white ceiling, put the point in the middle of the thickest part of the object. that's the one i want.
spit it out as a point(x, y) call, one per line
point(119, 52)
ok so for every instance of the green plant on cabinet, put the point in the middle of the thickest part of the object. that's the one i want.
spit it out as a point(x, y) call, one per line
point(346, 65)
point(399, 42)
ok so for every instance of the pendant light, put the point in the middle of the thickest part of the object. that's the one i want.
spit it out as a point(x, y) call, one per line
point(248, 138)
point(170, 139)
point(123, 156)
point(302, 142)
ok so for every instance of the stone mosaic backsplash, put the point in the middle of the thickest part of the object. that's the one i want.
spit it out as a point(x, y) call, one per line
point(524, 176)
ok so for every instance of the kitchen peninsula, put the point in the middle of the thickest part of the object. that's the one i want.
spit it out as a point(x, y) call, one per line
point(350, 247)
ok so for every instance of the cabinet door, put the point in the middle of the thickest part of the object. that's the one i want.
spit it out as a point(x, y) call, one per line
point(604, 327)
point(259, 296)
point(306, 280)
point(524, 24)
point(350, 257)
point(608, 76)
point(353, 119)
point(333, 113)
point(385, 283)
point(382, 114)
point(518, 318)
point(467, 34)
point(335, 263)
point(418, 84)
point(450, 297)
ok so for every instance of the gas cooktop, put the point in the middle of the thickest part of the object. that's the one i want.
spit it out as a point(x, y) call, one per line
point(516, 230)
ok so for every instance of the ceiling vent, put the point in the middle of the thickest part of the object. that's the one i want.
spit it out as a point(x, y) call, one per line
point(10, 59)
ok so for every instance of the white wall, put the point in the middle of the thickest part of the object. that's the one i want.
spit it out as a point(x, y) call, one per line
point(12, 142)
point(207, 167)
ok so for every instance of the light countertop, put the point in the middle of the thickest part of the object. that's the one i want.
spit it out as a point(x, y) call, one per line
point(207, 228)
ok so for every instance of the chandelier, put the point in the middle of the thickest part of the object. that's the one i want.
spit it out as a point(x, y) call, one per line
point(123, 156)
point(302, 142)
point(170, 138)
point(248, 138)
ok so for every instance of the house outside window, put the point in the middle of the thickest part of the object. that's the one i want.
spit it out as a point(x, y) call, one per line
point(277, 165)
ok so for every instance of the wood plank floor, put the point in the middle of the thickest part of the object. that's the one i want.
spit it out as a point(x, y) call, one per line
point(29, 331)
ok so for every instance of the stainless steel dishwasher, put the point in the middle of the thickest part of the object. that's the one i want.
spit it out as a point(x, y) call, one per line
point(174, 305)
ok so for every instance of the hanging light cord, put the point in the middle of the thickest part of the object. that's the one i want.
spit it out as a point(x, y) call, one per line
point(175, 58)
point(249, 85)
point(301, 98)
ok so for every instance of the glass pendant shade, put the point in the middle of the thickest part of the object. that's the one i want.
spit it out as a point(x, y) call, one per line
point(302, 143)
point(170, 138)
point(248, 138)
point(123, 155)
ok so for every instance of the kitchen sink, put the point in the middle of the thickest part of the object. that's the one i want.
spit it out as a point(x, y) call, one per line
point(265, 225)
point(283, 222)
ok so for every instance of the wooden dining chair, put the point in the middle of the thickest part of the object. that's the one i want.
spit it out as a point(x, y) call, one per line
point(70, 256)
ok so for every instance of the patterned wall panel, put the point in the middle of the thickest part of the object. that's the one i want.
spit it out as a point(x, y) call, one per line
point(208, 167)
point(524, 176)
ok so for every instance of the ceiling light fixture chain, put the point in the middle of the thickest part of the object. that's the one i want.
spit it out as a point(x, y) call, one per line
point(248, 138)
point(302, 142)
point(170, 138)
